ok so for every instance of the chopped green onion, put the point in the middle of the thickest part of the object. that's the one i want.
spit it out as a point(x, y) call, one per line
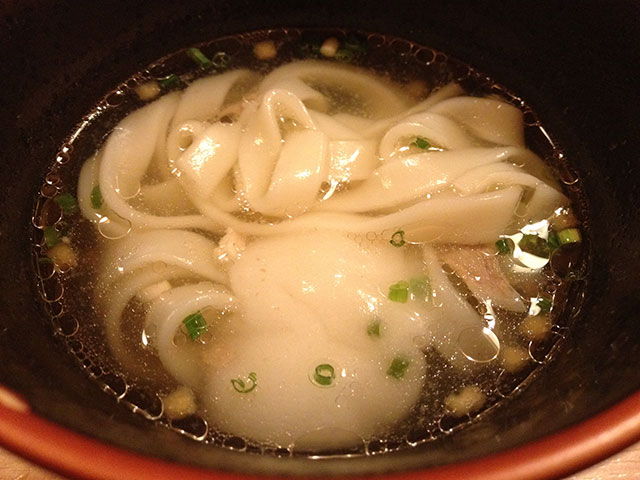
point(398, 368)
point(373, 329)
point(67, 202)
point(503, 246)
point(420, 287)
point(169, 81)
point(221, 60)
point(196, 325)
point(352, 47)
point(397, 239)
point(534, 245)
point(306, 50)
point(354, 44)
point(51, 236)
point(422, 143)
point(544, 306)
point(344, 55)
point(96, 198)
point(553, 241)
point(569, 235)
point(324, 374)
point(399, 292)
point(200, 58)
point(240, 387)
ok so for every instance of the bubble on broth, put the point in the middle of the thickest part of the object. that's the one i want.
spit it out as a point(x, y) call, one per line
point(66, 291)
point(479, 344)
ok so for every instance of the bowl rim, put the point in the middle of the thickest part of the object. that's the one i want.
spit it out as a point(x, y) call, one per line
point(66, 452)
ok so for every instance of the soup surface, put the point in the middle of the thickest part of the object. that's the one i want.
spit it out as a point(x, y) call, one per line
point(309, 242)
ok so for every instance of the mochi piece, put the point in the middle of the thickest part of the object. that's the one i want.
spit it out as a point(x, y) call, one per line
point(288, 408)
point(307, 300)
point(321, 280)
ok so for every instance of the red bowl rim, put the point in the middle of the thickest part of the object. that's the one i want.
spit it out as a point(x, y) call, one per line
point(69, 453)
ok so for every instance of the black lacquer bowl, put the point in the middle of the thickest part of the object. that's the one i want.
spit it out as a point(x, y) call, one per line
point(575, 63)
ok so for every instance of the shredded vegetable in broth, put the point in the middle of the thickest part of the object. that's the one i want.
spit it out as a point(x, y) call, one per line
point(311, 244)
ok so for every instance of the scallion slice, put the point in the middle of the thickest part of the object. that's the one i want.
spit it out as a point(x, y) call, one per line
point(309, 50)
point(196, 325)
point(96, 198)
point(352, 47)
point(535, 245)
point(398, 368)
point(397, 239)
point(399, 292)
point(51, 236)
point(240, 386)
point(422, 143)
point(373, 329)
point(168, 81)
point(324, 374)
point(67, 202)
point(569, 235)
point(553, 241)
point(200, 58)
point(355, 44)
point(344, 55)
point(503, 246)
point(221, 60)
point(420, 287)
point(544, 305)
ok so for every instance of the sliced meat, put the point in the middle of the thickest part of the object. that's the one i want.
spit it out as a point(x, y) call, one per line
point(478, 268)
